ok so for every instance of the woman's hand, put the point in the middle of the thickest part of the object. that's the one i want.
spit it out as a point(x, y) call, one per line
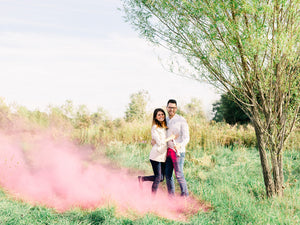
point(172, 137)
point(153, 142)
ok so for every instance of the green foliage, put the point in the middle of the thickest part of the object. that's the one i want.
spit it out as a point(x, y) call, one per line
point(193, 110)
point(226, 109)
point(99, 116)
point(136, 109)
point(5, 114)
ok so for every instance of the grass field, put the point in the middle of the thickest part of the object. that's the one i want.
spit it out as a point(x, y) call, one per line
point(229, 180)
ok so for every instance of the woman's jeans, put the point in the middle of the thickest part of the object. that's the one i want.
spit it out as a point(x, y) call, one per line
point(176, 163)
point(159, 171)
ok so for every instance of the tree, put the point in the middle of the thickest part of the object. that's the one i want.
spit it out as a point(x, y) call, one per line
point(249, 48)
point(194, 109)
point(100, 116)
point(227, 109)
point(136, 109)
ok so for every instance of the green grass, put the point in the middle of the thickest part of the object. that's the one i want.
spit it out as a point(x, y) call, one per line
point(229, 179)
point(234, 186)
point(18, 213)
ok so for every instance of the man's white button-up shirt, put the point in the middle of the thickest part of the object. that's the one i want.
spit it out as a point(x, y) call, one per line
point(178, 126)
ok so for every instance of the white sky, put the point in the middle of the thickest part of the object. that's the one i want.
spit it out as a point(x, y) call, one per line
point(57, 50)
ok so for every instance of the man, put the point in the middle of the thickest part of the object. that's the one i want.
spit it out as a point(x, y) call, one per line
point(178, 126)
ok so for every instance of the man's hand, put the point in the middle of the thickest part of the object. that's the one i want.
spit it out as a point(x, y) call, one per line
point(177, 146)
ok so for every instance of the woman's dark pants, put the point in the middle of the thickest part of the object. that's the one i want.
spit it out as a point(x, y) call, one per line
point(159, 171)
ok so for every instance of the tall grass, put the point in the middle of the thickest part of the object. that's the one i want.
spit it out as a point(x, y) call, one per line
point(204, 135)
point(97, 130)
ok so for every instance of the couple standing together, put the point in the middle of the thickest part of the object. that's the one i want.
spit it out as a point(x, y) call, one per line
point(170, 135)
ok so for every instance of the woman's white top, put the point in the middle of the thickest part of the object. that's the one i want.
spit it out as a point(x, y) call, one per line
point(159, 150)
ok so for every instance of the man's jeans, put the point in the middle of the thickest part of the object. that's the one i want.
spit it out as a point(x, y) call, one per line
point(159, 171)
point(176, 163)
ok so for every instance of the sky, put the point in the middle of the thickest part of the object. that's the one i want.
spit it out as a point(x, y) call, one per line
point(52, 51)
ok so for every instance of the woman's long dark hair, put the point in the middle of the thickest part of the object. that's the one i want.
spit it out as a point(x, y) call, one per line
point(162, 124)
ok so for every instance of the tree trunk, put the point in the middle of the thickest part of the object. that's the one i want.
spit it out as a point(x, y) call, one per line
point(278, 173)
point(273, 184)
point(269, 184)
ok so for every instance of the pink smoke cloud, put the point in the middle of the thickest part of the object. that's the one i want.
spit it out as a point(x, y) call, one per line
point(41, 169)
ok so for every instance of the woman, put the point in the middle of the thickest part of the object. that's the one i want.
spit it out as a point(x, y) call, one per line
point(159, 150)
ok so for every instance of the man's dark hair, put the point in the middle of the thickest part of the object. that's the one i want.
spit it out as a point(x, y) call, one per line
point(172, 101)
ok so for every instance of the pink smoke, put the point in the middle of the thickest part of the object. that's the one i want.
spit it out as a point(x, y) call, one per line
point(41, 169)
